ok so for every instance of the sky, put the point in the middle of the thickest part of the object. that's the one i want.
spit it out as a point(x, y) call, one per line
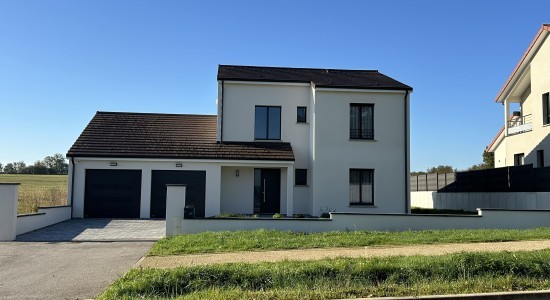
point(61, 61)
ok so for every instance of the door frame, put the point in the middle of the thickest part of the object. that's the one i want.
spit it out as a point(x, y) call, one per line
point(259, 191)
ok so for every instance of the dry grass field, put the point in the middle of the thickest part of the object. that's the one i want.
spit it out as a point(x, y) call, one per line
point(38, 190)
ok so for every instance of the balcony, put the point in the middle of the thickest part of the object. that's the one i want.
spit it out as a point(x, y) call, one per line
point(519, 124)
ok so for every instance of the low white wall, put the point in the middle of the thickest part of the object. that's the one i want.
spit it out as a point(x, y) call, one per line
point(46, 216)
point(473, 201)
point(489, 218)
point(8, 210)
point(423, 199)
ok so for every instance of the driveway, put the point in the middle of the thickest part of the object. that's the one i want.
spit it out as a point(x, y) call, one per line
point(76, 259)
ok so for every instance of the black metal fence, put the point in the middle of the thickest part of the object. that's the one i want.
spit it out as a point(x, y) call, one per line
point(508, 179)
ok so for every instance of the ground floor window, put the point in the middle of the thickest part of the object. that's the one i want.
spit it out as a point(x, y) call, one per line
point(519, 159)
point(361, 187)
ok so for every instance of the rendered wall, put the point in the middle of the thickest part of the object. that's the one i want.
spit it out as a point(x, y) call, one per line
point(46, 216)
point(335, 153)
point(213, 178)
point(490, 219)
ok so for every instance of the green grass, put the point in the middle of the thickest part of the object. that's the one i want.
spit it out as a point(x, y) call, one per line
point(230, 241)
point(341, 278)
point(38, 190)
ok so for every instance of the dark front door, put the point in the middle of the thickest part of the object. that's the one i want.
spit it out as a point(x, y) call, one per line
point(112, 193)
point(267, 191)
point(194, 195)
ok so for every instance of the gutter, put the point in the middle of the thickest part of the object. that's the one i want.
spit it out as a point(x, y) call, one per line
point(407, 188)
point(221, 114)
point(72, 185)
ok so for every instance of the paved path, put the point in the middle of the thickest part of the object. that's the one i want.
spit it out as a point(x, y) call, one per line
point(75, 259)
point(96, 230)
point(31, 270)
point(314, 254)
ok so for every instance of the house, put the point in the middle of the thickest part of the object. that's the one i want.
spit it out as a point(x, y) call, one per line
point(284, 140)
point(524, 138)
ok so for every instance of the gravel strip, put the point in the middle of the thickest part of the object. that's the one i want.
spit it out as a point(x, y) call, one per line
point(174, 261)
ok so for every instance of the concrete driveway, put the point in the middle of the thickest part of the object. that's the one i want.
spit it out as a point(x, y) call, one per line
point(76, 259)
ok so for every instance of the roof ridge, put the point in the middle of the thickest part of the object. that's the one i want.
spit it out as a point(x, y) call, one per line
point(149, 114)
point(300, 68)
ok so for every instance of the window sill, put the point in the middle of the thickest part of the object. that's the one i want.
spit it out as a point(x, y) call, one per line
point(363, 205)
point(301, 185)
point(266, 140)
point(546, 125)
point(363, 140)
point(303, 123)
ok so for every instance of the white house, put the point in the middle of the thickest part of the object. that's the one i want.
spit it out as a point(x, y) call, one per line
point(524, 138)
point(284, 140)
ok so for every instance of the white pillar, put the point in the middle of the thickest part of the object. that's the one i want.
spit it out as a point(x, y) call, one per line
point(290, 191)
point(175, 204)
point(145, 204)
point(212, 200)
point(9, 193)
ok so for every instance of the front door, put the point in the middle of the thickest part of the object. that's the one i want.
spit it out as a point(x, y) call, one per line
point(267, 191)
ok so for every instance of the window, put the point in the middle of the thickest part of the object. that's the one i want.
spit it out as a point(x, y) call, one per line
point(361, 121)
point(540, 158)
point(519, 159)
point(361, 187)
point(267, 124)
point(300, 177)
point(301, 114)
point(545, 109)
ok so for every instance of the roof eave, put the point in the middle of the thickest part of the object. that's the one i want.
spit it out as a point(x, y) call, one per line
point(525, 59)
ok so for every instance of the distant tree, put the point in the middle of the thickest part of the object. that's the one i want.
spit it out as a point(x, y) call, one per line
point(440, 169)
point(39, 167)
point(414, 173)
point(488, 162)
point(57, 164)
point(1, 168)
point(10, 169)
point(19, 166)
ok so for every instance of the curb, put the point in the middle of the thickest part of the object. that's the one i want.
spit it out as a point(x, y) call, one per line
point(545, 294)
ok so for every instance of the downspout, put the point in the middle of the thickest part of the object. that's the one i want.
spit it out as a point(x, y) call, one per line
point(72, 185)
point(221, 116)
point(407, 174)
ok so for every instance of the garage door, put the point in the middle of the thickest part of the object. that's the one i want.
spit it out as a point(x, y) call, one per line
point(112, 194)
point(195, 192)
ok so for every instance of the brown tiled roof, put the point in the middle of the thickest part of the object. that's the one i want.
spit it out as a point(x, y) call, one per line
point(145, 135)
point(332, 78)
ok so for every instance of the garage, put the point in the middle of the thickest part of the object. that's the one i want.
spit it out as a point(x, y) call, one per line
point(195, 192)
point(112, 193)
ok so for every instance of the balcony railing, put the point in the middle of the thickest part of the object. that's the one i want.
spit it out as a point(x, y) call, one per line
point(519, 124)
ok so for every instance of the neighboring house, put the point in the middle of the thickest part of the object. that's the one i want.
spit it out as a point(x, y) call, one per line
point(284, 140)
point(524, 139)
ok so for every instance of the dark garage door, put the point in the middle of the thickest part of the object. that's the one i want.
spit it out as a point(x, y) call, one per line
point(112, 194)
point(195, 192)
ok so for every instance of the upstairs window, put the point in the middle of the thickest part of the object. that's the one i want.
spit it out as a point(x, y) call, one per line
point(301, 114)
point(361, 121)
point(545, 109)
point(267, 124)
point(361, 187)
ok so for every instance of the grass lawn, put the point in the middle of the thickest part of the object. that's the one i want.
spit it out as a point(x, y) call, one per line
point(342, 278)
point(230, 241)
point(38, 190)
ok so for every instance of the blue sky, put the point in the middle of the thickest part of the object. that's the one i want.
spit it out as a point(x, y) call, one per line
point(61, 61)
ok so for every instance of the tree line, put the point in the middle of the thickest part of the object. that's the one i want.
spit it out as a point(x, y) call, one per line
point(52, 165)
point(488, 163)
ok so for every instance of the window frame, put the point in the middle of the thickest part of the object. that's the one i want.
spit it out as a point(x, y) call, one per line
point(517, 158)
point(360, 135)
point(298, 116)
point(545, 108)
point(361, 192)
point(296, 177)
point(267, 137)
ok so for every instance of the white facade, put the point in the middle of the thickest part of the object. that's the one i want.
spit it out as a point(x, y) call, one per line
point(321, 145)
point(526, 134)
